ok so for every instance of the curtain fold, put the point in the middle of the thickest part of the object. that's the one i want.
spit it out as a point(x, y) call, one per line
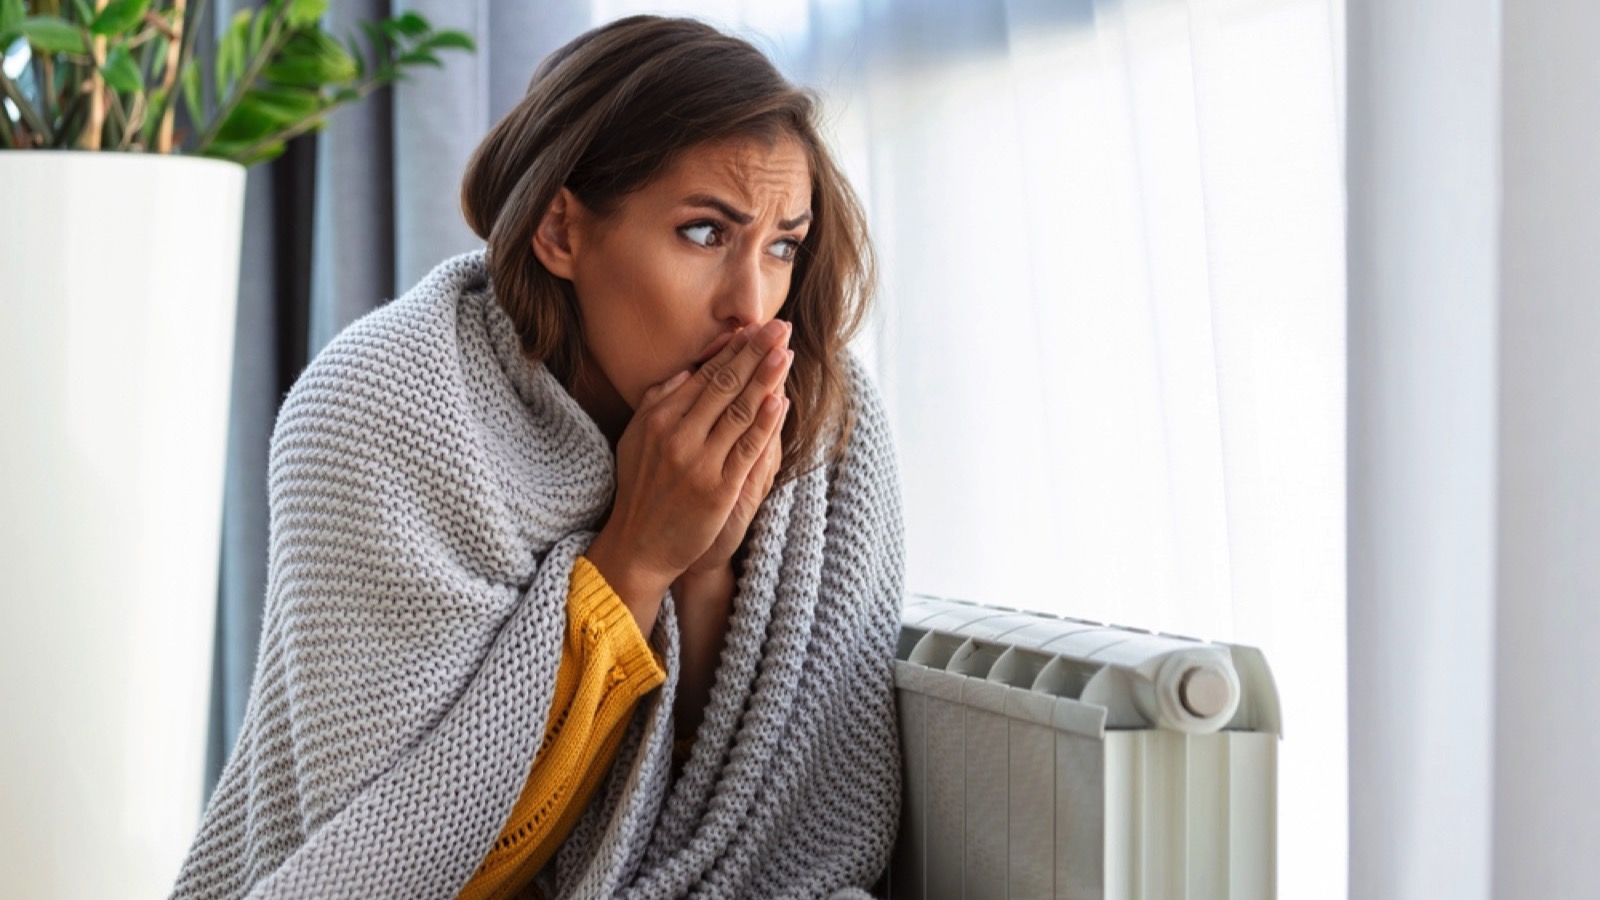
point(1473, 437)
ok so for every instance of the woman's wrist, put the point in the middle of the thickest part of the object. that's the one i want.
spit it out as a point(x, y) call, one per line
point(703, 598)
point(705, 581)
point(636, 585)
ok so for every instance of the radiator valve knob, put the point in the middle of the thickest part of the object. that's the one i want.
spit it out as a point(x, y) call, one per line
point(1204, 692)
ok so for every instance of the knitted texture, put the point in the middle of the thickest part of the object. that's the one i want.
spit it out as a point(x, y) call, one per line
point(606, 668)
point(430, 493)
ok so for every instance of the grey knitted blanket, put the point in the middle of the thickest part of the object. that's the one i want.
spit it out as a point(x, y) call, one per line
point(430, 492)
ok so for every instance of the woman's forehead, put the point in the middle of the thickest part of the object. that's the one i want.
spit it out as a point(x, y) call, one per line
point(767, 178)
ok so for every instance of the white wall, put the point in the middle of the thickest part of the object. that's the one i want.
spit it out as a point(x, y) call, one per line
point(1547, 703)
point(1421, 175)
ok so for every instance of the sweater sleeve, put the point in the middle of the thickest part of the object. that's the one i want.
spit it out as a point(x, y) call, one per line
point(606, 668)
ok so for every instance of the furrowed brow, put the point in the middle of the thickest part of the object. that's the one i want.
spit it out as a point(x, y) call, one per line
point(721, 206)
point(707, 201)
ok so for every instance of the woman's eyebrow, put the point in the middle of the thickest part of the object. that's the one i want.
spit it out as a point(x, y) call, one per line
point(743, 218)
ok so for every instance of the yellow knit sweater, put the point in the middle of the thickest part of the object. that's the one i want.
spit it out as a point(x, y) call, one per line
point(606, 667)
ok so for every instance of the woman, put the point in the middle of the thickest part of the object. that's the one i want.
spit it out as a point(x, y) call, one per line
point(586, 553)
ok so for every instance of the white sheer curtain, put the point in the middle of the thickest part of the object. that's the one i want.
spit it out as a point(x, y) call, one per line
point(1112, 330)
point(1474, 496)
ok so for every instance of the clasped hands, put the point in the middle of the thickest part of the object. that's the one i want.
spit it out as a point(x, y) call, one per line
point(696, 460)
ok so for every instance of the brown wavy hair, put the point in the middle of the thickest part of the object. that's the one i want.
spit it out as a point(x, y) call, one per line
point(613, 109)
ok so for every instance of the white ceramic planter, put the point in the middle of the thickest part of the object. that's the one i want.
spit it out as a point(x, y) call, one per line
point(118, 279)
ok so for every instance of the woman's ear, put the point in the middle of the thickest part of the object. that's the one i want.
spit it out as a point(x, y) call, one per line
point(555, 238)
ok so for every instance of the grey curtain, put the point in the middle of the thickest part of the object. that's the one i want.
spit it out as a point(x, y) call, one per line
point(344, 221)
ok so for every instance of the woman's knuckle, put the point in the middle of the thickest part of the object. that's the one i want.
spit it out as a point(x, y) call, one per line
point(726, 380)
point(707, 481)
point(659, 420)
point(741, 411)
point(750, 444)
point(675, 449)
point(657, 434)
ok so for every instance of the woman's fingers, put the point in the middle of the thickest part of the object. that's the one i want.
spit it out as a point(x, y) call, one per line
point(740, 414)
point(655, 393)
point(751, 444)
point(757, 485)
point(774, 457)
point(722, 381)
point(681, 400)
point(677, 492)
point(758, 482)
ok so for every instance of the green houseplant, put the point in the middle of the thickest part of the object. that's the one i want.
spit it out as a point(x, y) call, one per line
point(112, 75)
point(119, 273)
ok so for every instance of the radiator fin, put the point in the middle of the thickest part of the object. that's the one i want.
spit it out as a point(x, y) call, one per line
point(1058, 758)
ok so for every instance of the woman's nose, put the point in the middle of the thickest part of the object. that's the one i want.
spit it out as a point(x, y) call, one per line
point(739, 299)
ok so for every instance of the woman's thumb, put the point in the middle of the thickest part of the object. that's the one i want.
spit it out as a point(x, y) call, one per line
point(655, 392)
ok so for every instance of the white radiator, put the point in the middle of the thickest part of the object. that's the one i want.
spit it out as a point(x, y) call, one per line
point(1053, 757)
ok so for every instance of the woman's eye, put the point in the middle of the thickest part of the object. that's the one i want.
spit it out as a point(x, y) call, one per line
point(705, 234)
point(786, 249)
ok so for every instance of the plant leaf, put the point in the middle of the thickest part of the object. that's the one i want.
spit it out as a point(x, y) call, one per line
point(356, 56)
point(337, 61)
point(296, 73)
point(303, 13)
point(12, 13)
point(285, 105)
point(419, 58)
point(189, 79)
point(152, 118)
point(231, 51)
point(84, 10)
point(382, 44)
point(224, 149)
point(411, 25)
point(53, 35)
point(235, 151)
point(264, 112)
point(158, 58)
point(267, 153)
point(258, 33)
point(248, 123)
point(448, 40)
point(311, 59)
point(119, 16)
point(121, 72)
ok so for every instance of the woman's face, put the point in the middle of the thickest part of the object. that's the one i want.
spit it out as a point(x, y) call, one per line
point(683, 263)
